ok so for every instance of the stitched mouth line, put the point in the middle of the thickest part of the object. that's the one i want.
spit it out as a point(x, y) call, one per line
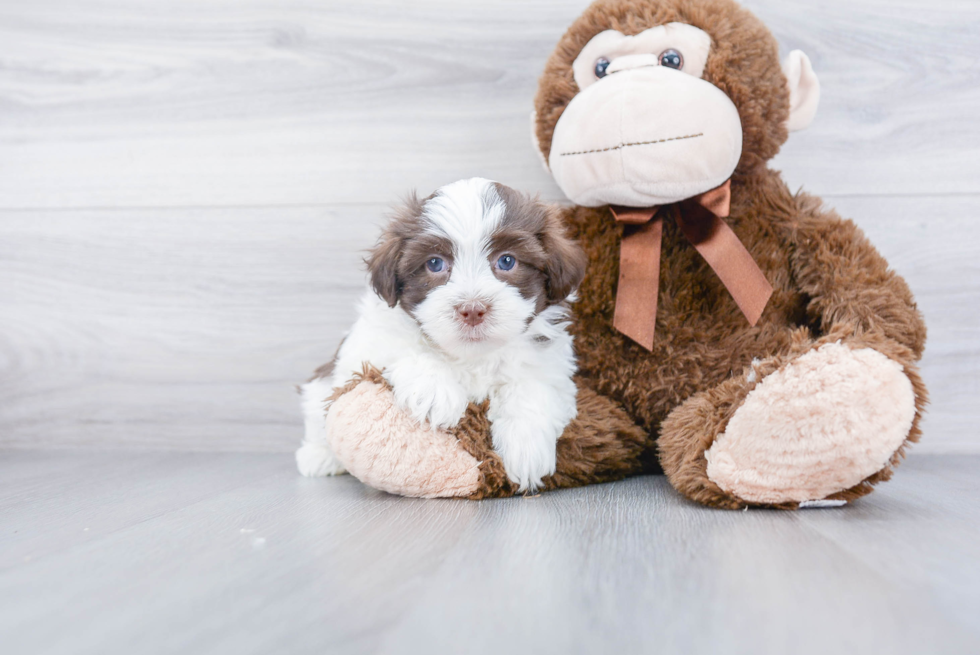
point(630, 145)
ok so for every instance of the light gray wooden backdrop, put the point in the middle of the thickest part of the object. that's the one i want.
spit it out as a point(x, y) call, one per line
point(186, 186)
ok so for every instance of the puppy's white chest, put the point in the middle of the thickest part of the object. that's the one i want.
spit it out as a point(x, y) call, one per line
point(480, 378)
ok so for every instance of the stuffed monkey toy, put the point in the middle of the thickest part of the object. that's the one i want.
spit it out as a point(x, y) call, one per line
point(744, 338)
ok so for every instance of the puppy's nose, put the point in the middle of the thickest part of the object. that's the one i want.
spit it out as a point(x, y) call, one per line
point(472, 312)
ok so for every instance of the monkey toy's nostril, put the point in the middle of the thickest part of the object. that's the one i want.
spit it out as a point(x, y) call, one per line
point(472, 313)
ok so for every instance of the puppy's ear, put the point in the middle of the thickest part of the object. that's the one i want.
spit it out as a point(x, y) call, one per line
point(383, 265)
point(565, 266)
point(383, 261)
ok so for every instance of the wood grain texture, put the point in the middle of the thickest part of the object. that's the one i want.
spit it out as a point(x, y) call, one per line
point(185, 188)
point(113, 103)
point(279, 563)
point(187, 329)
point(178, 329)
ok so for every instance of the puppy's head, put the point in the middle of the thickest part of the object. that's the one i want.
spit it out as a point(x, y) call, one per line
point(474, 263)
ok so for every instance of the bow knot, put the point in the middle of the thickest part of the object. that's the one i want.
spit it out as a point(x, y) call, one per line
point(701, 223)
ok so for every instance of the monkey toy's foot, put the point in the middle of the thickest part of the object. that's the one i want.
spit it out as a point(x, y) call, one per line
point(383, 447)
point(820, 425)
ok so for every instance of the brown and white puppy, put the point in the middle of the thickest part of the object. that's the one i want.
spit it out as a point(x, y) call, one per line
point(469, 302)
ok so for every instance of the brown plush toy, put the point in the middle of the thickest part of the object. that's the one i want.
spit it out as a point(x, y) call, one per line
point(751, 342)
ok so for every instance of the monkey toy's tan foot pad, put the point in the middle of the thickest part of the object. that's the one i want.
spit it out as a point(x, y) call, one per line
point(384, 448)
point(820, 425)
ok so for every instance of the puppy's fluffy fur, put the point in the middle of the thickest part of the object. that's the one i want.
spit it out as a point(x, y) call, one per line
point(469, 302)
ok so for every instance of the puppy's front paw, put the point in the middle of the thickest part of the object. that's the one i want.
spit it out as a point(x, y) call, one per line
point(441, 402)
point(528, 454)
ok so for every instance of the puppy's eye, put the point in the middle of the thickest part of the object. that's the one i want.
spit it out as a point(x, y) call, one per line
point(672, 59)
point(436, 265)
point(601, 65)
point(506, 262)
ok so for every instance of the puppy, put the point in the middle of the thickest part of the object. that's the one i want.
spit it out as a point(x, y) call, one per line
point(470, 302)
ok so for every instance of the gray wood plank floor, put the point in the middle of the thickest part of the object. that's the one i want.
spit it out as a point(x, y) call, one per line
point(218, 553)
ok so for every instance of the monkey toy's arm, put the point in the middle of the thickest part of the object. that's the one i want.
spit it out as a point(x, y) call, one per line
point(385, 448)
point(853, 293)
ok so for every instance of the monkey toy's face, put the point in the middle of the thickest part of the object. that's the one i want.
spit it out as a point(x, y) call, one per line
point(645, 129)
point(645, 122)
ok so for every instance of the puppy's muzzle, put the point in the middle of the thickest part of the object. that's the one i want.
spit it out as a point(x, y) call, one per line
point(472, 313)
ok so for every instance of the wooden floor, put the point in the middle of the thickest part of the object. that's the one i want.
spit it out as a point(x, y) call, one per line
point(235, 553)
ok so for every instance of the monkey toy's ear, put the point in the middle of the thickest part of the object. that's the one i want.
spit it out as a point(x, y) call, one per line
point(804, 90)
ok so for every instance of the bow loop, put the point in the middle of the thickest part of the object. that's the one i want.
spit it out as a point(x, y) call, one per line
point(701, 223)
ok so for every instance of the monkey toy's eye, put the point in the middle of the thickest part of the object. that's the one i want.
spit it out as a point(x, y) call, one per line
point(436, 265)
point(672, 59)
point(506, 262)
point(601, 65)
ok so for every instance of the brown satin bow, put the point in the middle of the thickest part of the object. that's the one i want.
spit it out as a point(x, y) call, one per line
point(701, 222)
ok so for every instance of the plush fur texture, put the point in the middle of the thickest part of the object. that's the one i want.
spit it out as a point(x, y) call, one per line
point(468, 304)
point(409, 459)
point(383, 448)
point(676, 402)
point(841, 414)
